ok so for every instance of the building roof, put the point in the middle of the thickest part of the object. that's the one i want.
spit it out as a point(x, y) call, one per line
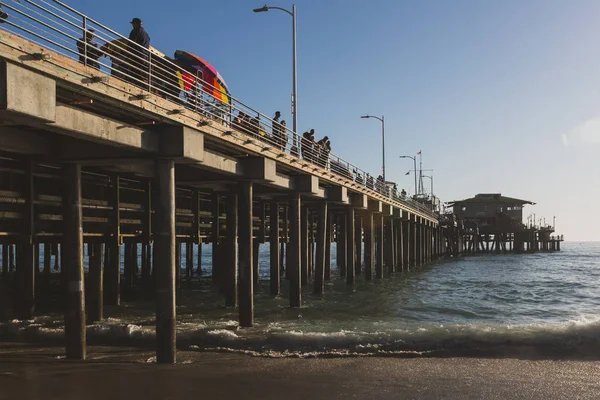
point(491, 198)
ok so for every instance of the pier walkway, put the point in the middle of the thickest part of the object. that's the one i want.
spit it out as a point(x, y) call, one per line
point(135, 154)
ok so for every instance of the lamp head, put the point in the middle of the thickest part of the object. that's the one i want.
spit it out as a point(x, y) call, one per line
point(365, 116)
point(265, 8)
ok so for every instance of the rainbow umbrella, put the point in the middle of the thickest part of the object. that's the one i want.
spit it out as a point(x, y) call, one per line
point(213, 81)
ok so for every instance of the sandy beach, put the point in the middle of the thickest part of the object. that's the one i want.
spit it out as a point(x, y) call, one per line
point(37, 372)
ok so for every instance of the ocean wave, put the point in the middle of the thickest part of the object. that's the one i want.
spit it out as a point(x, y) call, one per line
point(575, 339)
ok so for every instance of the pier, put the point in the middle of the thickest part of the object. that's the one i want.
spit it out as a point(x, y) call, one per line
point(492, 223)
point(128, 164)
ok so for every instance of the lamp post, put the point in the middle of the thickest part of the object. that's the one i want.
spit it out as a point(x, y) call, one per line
point(431, 191)
point(415, 162)
point(266, 8)
point(382, 119)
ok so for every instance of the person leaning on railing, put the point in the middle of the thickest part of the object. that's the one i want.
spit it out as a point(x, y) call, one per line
point(87, 48)
point(307, 145)
point(322, 153)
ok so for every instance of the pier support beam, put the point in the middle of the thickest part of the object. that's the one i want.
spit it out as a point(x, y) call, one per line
point(230, 275)
point(321, 247)
point(26, 258)
point(419, 242)
point(112, 272)
point(378, 222)
point(246, 260)
point(358, 236)
point(73, 264)
point(216, 234)
point(95, 292)
point(414, 242)
point(256, 259)
point(328, 247)
point(274, 255)
point(369, 246)
point(350, 247)
point(341, 245)
point(5, 260)
point(406, 241)
point(400, 245)
point(304, 245)
point(164, 265)
point(293, 265)
point(389, 244)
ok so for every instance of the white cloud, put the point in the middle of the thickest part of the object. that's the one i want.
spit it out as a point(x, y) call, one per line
point(588, 132)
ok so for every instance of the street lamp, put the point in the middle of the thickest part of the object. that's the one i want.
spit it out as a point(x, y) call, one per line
point(431, 191)
point(382, 119)
point(415, 170)
point(266, 8)
point(430, 177)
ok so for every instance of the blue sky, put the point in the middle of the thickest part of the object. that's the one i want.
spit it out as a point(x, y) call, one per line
point(501, 96)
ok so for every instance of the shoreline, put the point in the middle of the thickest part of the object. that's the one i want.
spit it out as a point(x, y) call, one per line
point(30, 371)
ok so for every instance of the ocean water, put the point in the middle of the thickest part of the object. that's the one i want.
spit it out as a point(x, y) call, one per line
point(543, 304)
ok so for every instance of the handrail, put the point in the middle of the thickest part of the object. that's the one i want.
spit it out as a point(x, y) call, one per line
point(56, 27)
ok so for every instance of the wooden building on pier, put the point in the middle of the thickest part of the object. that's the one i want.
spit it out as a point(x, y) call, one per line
point(491, 222)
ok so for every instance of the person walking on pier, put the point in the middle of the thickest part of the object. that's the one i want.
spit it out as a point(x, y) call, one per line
point(276, 131)
point(88, 49)
point(284, 135)
point(138, 52)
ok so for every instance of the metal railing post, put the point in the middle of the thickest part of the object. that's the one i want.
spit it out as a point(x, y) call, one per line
point(85, 45)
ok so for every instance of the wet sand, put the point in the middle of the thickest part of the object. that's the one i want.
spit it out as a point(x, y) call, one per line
point(37, 372)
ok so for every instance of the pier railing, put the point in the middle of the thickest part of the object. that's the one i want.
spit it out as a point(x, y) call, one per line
point(55, 26)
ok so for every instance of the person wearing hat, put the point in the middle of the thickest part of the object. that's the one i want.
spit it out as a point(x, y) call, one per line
point(87, 47)
point(139, 52)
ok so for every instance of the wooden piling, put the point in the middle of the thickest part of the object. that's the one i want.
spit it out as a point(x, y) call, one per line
point(369, 245)
point(245, 260)
point(164, 265)
point(178, 264)
point(358, 237)
point(26, 259)
point(350, 247)
point(146, 270)
point(418, 243)
point(112, 272)
point(399, 245)
point(95, 292)
point(128, 267)
point(341, 245)
point(389, 244)
point(328, 247)
point(406, 249)
point(282, 257)
point(378, 222)
point(5, 261)
point(75, 336)
point(274, 279)
point(230, 272)
point(304, 245)
point(256, 260)
point(189, 259)
point(293, 266)
point(321, 247)
point(199, 256)
point(216, 233)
